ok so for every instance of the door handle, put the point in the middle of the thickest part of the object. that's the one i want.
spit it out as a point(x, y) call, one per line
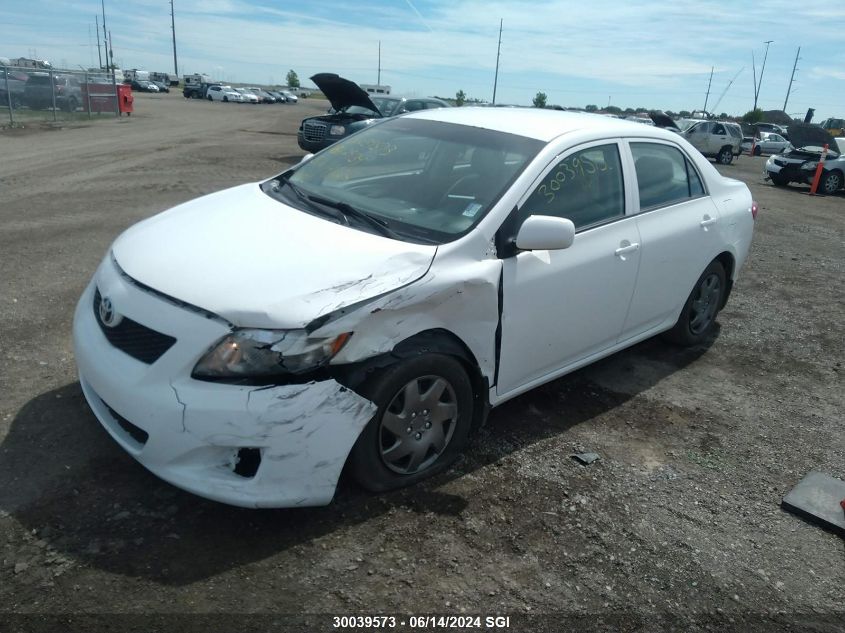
point(624, 250)
point(707, 221)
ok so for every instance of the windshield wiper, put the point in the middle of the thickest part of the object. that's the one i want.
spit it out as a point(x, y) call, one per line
point(349, 211)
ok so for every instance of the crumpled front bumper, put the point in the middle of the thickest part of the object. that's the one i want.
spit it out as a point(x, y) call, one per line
point(193, 433)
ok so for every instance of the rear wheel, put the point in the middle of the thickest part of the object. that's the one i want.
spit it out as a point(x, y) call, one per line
point(725, 156)
point(831, 182)
point(423, 421)
point(703, 304)
point(757, 150)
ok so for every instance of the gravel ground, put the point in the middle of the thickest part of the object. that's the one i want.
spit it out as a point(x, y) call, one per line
point(678, 525)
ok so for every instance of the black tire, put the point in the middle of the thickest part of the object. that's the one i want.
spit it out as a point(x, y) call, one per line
point(725, 156)
point(429, 380)
point(225, 99)
point(70, 105)
point(209, 98)
point(831, 182)
point(703, 304)
point(757, 150)
point(778, 180)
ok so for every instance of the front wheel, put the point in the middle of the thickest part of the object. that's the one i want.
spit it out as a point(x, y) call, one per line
point(703, 304)
point(778, 180)
point(757, 150)
point(422, 423)
point(831, 182)
point(725, 156)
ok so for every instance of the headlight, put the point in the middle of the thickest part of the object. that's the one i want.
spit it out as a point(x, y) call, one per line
point(810, 165)
point(261, 353)
point(337, 130)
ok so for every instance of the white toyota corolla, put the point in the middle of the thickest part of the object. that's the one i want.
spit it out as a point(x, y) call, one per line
point(368, 306)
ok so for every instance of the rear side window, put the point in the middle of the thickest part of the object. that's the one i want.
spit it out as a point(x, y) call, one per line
point(585, 187)
point(664, 175)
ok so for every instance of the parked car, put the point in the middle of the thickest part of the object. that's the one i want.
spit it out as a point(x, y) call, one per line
point(721, 140)
point(397, 286)
point(38, 92)
point(289, 96)
point(768, 143)
point(263, 95)
point(278, 96)
point(142, 85)
point(772, 127)
point(248, 96)
point(162, 87)
point(352, 110)
point(799, 162)
point(16, 81)
point(224, 93)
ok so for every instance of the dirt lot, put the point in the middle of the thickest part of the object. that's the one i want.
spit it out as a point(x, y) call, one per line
point(678, 524)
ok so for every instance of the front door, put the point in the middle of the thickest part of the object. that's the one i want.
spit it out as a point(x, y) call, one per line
point(559, 307)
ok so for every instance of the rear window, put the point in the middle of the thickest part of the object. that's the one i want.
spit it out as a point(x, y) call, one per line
point(39, 80)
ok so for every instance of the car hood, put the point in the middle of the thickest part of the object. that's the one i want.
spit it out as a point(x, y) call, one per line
point(342, 93)
point(259, 263)
point(663, 120)
point(803, 135)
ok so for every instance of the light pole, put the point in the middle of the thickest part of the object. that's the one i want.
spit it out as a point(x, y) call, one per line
point(762, 70)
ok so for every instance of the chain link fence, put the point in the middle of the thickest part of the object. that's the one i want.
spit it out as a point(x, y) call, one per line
point(29, 95)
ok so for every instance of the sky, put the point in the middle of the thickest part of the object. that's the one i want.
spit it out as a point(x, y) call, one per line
point(643, 54)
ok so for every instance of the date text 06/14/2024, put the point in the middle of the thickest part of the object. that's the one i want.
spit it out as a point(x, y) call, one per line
point(421, 621)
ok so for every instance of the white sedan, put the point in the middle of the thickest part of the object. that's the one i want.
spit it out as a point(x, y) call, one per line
point(367, 307)
point(224, 93)
point(248, 96)
point(768, 143)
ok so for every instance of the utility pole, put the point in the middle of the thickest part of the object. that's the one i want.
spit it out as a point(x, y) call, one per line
point(378, 80)
point(111, 53)
point(173, 28)
point(710, 83)
point(498, 51)
point(99, 56)
point(794, 66)
point(105, 32)
point(762, 70)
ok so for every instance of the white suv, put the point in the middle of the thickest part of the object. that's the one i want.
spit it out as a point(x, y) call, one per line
point(721, 140)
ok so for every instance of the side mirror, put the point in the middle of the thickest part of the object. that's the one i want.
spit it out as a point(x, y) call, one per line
point(305, 158)
point(545, 233)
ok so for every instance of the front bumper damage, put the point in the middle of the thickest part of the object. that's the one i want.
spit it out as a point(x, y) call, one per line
point(276, 446)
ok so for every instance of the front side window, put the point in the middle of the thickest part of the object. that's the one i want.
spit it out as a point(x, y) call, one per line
point(585, 187)
point(664, 175)
point(424, 180)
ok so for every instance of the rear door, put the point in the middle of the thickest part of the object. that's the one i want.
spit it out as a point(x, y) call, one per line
point(678, 225)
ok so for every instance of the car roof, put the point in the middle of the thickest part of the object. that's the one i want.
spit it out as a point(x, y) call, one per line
point(538, 123)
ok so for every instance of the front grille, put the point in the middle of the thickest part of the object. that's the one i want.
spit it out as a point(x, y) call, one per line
point(314, 131)
point(130, 337)
point(780, 163)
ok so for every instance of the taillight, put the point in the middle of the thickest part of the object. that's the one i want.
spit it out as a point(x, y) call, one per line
point(754, 209)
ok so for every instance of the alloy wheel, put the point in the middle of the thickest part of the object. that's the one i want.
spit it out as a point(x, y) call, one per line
point(705, 304)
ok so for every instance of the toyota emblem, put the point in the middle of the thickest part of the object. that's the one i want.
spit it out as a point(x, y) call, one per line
point(108, 315)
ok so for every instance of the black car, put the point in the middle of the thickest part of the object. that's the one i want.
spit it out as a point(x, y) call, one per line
point(162, 87)
point(38, 92)
point(16, 81)
point(799, 162)
point(352, 110)
point(143, 86)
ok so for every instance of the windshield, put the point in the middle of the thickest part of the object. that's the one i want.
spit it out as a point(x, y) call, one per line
point(385, 105)
point(424, 180)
